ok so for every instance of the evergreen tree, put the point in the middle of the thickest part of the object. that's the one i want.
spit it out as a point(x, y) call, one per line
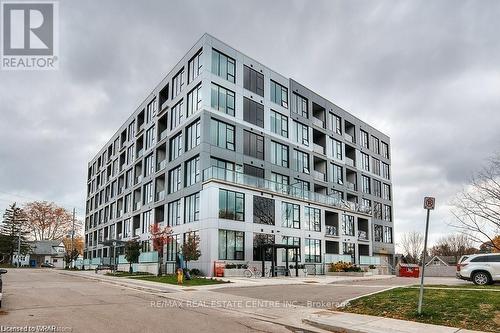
point(12, 228)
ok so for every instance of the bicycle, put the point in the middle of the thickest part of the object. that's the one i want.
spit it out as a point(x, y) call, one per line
point(255, 272)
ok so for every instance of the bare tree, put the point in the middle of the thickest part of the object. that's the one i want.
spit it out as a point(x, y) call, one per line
point(412, 244)
point(453, 245)
point(477, 207)
point(47, 221)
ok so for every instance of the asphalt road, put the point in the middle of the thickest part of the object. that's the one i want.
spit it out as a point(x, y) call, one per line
point(38, 298)
point(329, 295)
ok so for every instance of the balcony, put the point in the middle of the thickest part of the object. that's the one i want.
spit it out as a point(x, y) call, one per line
point(362, 235)
point(140, 153)
point(220, 174)
point(318, 122)
point(331, 231)
point(318, 149)
point(350, 186)
point(161, 165)
point(350, 162)
point(319, 175)
point(137, 180)
point(160, 196)
point(137, 205)
point(163, 135)
point(349, 137)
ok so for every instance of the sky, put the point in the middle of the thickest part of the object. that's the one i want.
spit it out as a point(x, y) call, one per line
point(426, 73)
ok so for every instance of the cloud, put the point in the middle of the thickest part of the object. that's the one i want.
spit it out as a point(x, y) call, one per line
point(427, 74)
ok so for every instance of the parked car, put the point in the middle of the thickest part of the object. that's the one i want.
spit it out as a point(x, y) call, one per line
point(104, 267)
point(481, 269)
point(47, 265)
point(2, 271)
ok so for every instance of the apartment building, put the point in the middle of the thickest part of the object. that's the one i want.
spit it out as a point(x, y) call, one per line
point(240, 155)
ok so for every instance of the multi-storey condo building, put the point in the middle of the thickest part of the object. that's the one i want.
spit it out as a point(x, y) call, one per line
point(240, 155)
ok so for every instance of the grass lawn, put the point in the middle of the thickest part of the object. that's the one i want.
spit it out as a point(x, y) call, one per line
point(463, 286)
point(469, 309)
point(127, 274)
point(172, 279)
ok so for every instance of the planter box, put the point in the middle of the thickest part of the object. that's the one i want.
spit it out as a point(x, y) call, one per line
point(234, 272)
point(358, 274)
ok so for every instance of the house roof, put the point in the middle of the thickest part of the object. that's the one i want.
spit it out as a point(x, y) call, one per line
point(47, 247)
point(446, 260)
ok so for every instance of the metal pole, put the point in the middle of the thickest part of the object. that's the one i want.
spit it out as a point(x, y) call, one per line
point(18, 238)
point(421, 296)
point(72, 237)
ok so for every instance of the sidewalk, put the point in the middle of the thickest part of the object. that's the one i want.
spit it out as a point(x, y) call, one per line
point(356, 323)
point(235, 281)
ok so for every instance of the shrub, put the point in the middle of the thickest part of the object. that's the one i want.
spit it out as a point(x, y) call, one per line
point(343, 267)
point(372, 267)
point(195, 272)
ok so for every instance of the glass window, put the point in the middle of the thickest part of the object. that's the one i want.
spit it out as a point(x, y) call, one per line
point(174, 179)
point(312, 219)
point(301, 161)
point(222, 99)
point(194, 66)
point(376, 166)
point(149, 166)
point(279, 154)
point(279, 124)
point(377, 210)
point(387, 213)
point(178, 83)
point(347, 225)
point(192, 172)
point(336, 174)
point(263, 210)
point(175, 146)
point(365, 184)
point(253, 112)
point(253, 81)
point(385, 149)
point(150, 137)
point(223, 66)
point(377, 188)
point(378, 232)
point(290, 215)
point(147, 218)
point(365, 161)
point(253, 145)
point(176, 114)
point(174, 247)
point(300, 105)
point(335, 123)
point(222, 134)
point(148, 193)
point(258, 241)
point(281, 182)
point(231, 205)
point(193, 135)
point(387, 192)
point(364, 139)
point(337, 149)
point(174, 213)
point(279, 94)
point(375, 145)
point(192, 208)
point(289, 240)
point(385, 171)
point(231, 245)
point(301, 133)
point(387, 234)
point(194, 100)
point(312, 250)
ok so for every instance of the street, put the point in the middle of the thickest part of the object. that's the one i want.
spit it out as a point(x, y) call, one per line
point(70, 302)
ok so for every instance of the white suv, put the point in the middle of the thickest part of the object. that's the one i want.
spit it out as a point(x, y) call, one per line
point(481, 269)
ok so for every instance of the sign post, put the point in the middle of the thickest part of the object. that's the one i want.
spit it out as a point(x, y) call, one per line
point(429, 203)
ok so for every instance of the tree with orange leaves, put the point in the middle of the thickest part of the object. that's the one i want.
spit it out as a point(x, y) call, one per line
point(160, 236)
point(47, 221)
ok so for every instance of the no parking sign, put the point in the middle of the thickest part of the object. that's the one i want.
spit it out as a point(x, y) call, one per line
point(429, 202)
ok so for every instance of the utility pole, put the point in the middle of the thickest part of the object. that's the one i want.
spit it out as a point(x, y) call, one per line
point(429, 203)
point(18, 238)
point(72, 237)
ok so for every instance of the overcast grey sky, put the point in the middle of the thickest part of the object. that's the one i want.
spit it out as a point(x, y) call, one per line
point(427, 73)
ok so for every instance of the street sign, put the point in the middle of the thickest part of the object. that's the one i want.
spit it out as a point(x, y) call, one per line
point(429, 202)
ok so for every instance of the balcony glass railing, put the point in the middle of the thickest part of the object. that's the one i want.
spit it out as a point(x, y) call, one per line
point(349, 137)
point(318, 149)
point(161, 165)
point(318, 122)
point(319, 175)
point(350, 161)
point(215, 173)
point(333, 258)
point(160, 196)
point(331, 230)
